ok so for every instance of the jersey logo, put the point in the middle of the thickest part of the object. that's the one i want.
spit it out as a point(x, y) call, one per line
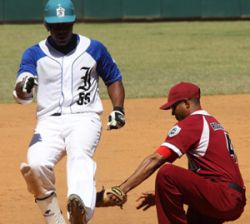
point(174, 131)
point(86, 79)
point(60, 11)
point(216, 126)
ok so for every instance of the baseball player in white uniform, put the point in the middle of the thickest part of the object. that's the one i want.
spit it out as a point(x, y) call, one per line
point(63, 70)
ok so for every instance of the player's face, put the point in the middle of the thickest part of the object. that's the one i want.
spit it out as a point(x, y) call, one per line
point(61, 33)
point(180, 110)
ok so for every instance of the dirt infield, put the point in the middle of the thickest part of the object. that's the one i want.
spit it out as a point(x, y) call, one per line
point(117, 155)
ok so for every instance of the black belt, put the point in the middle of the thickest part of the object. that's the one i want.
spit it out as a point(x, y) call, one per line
point(56, 114)
point(236, 187)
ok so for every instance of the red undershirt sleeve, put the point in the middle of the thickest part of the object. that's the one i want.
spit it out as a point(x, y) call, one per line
point(170, 155)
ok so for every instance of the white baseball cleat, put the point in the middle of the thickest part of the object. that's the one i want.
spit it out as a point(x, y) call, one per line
point(76, 210)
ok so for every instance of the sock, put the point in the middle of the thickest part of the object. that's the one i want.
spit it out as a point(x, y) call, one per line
point(50, 209)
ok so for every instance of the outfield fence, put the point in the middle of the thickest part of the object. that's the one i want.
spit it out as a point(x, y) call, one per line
point(31, 11)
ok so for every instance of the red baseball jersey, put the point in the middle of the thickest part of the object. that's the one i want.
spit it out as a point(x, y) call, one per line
point(207, 145)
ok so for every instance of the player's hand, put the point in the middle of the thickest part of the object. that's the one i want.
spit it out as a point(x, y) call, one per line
point(28, 84)
point(146, 200)
point(113, 196)
point(116, 119)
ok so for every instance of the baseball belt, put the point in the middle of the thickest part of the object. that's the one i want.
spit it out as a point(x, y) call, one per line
point(56, 114)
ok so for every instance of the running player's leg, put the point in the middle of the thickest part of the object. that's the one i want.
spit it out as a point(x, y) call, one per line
point(81, 142)
point(45, 150)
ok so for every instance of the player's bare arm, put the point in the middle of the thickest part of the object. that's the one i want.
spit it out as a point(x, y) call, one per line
point(146, 168)
point(117, 195)
point(117, 94)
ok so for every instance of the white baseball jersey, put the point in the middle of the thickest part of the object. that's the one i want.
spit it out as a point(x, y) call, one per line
point(69, 83)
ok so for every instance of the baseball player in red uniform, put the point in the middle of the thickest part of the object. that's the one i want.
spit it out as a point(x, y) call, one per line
point(212, 186)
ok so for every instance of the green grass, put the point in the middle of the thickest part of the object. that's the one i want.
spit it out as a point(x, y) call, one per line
point(152, 56)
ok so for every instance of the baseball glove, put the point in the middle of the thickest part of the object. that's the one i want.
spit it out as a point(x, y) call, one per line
point(113, 196)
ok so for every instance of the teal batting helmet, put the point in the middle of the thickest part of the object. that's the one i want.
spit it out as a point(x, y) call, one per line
point(59, 11)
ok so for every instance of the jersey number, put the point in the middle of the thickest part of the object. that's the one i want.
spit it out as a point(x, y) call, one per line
point(84, 98)
point(230, 147)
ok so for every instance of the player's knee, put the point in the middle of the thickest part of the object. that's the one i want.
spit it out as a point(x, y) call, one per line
point(46, 173)
point(41, 168)
point(166, 170)
point(165, 174)
point(38, 183)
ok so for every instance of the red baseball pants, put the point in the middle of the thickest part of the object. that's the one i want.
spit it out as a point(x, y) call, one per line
point(208, 202)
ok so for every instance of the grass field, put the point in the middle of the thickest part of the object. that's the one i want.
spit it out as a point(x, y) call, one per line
point(152, 56)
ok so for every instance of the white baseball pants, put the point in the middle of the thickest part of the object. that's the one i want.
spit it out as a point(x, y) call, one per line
point(74, 135)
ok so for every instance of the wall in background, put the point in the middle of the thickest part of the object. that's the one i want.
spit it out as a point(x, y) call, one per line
point(32, 11)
